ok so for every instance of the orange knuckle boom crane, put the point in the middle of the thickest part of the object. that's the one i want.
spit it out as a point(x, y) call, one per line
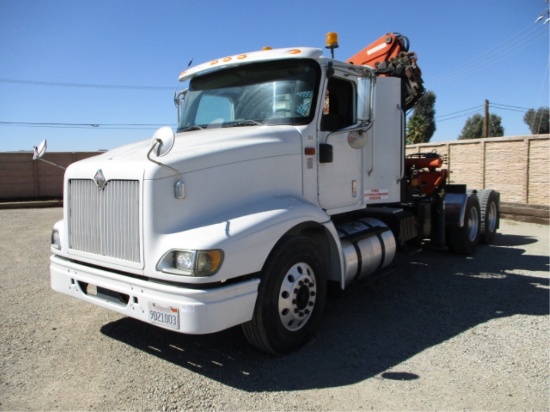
point(389, 55)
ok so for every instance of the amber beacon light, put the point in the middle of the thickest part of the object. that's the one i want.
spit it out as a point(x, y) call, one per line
point(332, 42)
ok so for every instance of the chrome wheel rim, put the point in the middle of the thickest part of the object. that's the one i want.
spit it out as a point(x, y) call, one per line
point(473, 224)
point(491, 217)
point(297, 296)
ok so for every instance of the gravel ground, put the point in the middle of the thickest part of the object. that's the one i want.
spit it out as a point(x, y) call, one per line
point(441, 332)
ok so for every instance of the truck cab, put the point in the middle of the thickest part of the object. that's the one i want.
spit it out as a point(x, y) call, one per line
point(330, 107)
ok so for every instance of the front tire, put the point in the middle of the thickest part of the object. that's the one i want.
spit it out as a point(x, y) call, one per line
point(464, 240)
point(291, 297)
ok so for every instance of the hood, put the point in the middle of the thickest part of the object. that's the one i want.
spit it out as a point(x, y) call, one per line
point(202, 149)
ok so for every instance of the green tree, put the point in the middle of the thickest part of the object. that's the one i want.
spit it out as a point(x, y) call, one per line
point(416, 130)
point(473, 128)
point(538, 121)
point(421, 125)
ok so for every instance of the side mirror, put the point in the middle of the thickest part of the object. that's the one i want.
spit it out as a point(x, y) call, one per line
point(163, 140)
point(40, 150)
point(179, 98)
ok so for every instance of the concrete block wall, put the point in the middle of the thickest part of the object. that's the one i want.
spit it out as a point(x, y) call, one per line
point(539, 172)
point(518, 167)
point(21, 178)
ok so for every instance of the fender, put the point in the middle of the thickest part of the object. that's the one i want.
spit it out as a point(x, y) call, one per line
point(455, 204)
point(246, 234)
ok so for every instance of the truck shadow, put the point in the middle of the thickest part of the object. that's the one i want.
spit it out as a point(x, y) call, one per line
point(369, 329)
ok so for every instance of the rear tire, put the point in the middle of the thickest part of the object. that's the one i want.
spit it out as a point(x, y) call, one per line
point(464, 240)
point(490, 214)
point(291, 297)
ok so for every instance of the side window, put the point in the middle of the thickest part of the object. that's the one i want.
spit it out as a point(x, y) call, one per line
point(214, 109)
point(338, 110)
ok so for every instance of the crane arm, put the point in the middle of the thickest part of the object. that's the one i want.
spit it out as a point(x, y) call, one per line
point(389, 56)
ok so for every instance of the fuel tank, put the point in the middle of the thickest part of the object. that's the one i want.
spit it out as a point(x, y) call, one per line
point(368, 245)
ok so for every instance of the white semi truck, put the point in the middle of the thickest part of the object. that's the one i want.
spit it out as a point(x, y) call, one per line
point(287, 171)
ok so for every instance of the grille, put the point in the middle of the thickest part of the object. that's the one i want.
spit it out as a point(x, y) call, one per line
point(105, 222)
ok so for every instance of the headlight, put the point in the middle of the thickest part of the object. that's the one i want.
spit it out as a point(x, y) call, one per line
point(184, 260)
point(56, 239)
point(191, 262)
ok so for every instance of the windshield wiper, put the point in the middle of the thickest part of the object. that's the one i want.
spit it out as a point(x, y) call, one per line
point(240, 123)
point(189, 128)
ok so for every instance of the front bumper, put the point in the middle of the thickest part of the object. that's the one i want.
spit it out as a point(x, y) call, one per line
point(200, 311)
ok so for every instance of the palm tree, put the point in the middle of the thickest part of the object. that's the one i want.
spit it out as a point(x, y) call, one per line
point(416, 129)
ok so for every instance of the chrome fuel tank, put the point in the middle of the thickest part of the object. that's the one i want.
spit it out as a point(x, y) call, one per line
point(368, 245)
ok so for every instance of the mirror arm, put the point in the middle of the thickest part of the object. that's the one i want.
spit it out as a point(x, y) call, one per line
point(179, 187)
point(158, 142)
point(40, 150)
point(51, 163)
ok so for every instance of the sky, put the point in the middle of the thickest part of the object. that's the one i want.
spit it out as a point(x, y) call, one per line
point(94, 75)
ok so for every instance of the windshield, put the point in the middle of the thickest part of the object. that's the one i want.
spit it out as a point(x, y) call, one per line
point(281, 92)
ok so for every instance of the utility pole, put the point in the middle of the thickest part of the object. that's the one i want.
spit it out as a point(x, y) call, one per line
point(486, 120)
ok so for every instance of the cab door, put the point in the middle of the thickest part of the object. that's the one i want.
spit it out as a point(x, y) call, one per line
point(339, 182)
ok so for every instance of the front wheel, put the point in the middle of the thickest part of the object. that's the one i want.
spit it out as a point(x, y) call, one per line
point(291, 297)
point(464, 240)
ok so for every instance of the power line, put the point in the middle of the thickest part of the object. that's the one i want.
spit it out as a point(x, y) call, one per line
point(510, 106)
point(460, 115)
point(516, 42)
point(476, 109)
point(496, 106)
point(85, 85)
point(461, 111)
point(104, 126)
point(489, 56)
point(482, 64)
point(441, 118)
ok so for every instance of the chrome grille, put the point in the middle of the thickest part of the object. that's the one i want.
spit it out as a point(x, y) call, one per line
point(105, 222)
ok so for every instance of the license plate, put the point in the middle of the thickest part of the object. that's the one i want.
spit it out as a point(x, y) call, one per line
point(167, 316)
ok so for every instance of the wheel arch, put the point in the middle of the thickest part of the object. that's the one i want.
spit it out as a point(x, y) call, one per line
point(325, 238)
